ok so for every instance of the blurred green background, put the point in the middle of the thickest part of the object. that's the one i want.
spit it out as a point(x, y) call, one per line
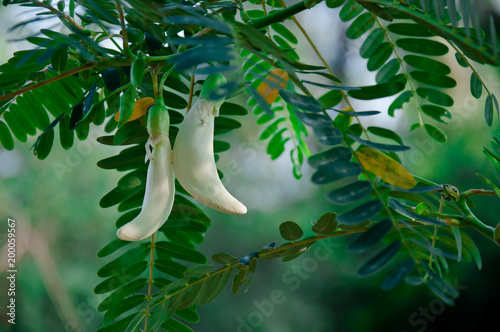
point(60, 226)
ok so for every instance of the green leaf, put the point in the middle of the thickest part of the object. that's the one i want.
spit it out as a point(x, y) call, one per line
point(59, 58)
point(66, 136)
point(283, 31)
point(174, 325)
point(296, 251)
point(223, 258)
point(128, 186)
point(271, 129)
point(117, 296)
point(370, 45)
point(399, 102)
point(328, 135)
point(129, 158)
point(401, 209)
point(409, 29)
point(335, 171)
point(386, 133)
point(330, 156)
point(435, 96)
point(334, 3)
point(131, 302)
point(180, 252)
point(377, 91)
point(232, 109)
point(112, 247)
point(15, 127)
point(398, 275)
point(214, 285)
point(291, 231)
point(457, 234)
point(351, 193)
point(221, 146)
point(488, 110)
point(44, 145)
point(353, 114)
point(433, 79)
point(276, 145)
point(436, 112)
point(427, 64)
point(422, 46)
point(476, 86)
point(360, 213)
point(380, 146)
point(224, 125)
point(441, 283)
point(129, 258)
point(243, 277)
point(326, 224)
point(380, 260)
point(118, 326)
point(131, 132)
point(126, 275)
point(435, 133)
point(111, 78)
point(350, 10)
point(388, 71)
point(379, 57)
point(370, 238)
point(472, 249)
point(171, 268)
point(313, 119)
point(159, 315)
point(197, 271)
point(6, 137)
point(192, 295)
point(304, 103)
point(490, 184)
point(360, 26)
point(331, 99)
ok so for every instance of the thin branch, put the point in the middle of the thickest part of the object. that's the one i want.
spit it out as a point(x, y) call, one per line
point(126, 49)
point(48, 81)
point(58, 13)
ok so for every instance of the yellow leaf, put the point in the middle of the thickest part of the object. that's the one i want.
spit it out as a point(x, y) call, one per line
point(384, 166)
point(269, 87)
point(141, 107)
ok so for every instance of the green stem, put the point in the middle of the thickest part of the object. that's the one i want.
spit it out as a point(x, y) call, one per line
point(262, 255)
point(471, 220)
point(150, 281)
point(405, 72)
point(126, 49)
point(278, 16)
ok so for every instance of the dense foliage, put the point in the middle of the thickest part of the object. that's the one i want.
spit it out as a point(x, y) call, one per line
point(114, 55)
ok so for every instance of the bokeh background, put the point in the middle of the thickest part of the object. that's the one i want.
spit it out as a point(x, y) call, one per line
point(60, 226)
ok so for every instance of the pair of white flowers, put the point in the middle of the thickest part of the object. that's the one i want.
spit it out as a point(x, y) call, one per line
point(192, 161)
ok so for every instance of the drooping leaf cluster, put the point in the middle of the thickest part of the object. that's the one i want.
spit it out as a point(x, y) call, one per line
point(102, 69)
